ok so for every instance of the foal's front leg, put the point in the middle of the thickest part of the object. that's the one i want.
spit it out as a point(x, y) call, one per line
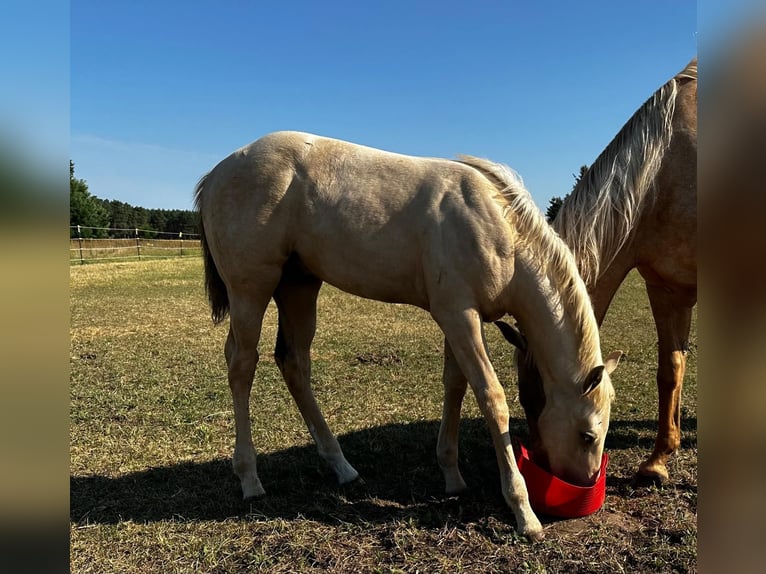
point(447, 445)
point(464, 333)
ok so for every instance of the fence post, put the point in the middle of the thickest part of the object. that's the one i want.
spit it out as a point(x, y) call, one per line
point(138, 245)
point(181, 241)
point(79, 240)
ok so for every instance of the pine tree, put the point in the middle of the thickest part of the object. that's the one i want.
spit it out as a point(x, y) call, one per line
point(84, 209)
point(553, 208)
point(555, 202)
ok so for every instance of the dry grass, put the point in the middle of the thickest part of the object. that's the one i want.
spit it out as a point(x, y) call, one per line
point(151, 436)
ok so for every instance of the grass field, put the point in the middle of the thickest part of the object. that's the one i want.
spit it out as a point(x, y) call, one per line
point(151, 433)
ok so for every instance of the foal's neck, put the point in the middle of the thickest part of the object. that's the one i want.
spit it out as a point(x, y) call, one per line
point(559, 338)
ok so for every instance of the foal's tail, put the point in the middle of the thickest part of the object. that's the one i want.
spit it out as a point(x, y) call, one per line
point(214, 285)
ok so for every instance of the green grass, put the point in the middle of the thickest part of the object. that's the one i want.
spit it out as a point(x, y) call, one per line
point(151, 437)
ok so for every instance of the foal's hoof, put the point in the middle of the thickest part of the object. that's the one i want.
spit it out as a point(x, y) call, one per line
point(351, 478)
point(454, 485)
point(535, 535)
point(531, 528)
point(253, 491)
point(253, 497)
point(353, 483)
point(344, 472)
point(354, 490)
point(457, 490)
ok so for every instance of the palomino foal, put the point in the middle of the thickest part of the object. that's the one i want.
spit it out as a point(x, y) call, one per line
point(461, 239)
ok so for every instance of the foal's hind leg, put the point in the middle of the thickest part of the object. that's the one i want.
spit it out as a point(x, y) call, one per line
point(296, 300)
point(455, 385)
point(242, 358)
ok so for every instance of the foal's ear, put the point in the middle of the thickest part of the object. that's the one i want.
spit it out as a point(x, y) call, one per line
point(512, 335)
point(593, 380)
point(594, 377)
point(612, 361)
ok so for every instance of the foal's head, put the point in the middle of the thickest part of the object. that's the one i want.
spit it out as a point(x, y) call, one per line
point(568, 424)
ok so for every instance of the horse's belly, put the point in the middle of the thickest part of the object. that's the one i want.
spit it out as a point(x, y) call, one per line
point(382, 275)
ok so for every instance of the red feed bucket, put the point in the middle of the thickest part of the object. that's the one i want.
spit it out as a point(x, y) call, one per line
point(555, 497)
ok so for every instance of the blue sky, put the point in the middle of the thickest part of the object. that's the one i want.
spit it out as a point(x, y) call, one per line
point(162, 91)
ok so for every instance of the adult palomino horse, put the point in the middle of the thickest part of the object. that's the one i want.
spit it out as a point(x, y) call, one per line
point(636, 207)
point(461, 239)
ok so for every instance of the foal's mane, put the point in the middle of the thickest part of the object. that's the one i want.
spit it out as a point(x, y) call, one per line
point(552, 256)
point(599, 215)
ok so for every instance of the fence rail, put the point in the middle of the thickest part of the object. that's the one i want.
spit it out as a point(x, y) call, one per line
point(143, 245)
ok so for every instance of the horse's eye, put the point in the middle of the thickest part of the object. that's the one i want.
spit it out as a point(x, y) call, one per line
point(588, 437)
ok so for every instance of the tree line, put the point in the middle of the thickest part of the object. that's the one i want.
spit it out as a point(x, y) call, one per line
point(112, 216)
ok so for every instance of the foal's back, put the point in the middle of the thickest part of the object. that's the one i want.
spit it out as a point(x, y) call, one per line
point(380, 225)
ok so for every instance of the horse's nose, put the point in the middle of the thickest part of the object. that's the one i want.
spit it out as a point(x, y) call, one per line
point(592, 476)
point(580, 478)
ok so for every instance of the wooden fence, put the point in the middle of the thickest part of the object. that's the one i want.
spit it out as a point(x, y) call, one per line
point(84, 250)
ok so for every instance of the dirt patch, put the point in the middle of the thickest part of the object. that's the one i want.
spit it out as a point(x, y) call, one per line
point(384, 358)
point(618, 523)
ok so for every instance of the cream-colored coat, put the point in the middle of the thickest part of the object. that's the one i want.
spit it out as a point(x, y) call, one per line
point(461, 239)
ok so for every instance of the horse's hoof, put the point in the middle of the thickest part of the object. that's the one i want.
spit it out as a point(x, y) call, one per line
point(253, 498)
point(456, 489)
point(253, 491)
point(354, 484)
point(453, 481)
point(353, 490)
point(345, 473)
point(535, 536)
point(645, 478)
point(649, 474)
point(531, 528)
point(356, 481)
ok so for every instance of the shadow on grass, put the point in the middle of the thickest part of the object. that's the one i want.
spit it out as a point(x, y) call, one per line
point(397, 462)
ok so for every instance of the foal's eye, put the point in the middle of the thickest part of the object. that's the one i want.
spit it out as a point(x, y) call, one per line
point(588, 437)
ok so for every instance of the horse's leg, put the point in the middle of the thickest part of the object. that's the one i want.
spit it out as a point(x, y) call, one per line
point(296, 301)
point(241, 352)
point(463, 330)
point(447, 445)
point(673, 320)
